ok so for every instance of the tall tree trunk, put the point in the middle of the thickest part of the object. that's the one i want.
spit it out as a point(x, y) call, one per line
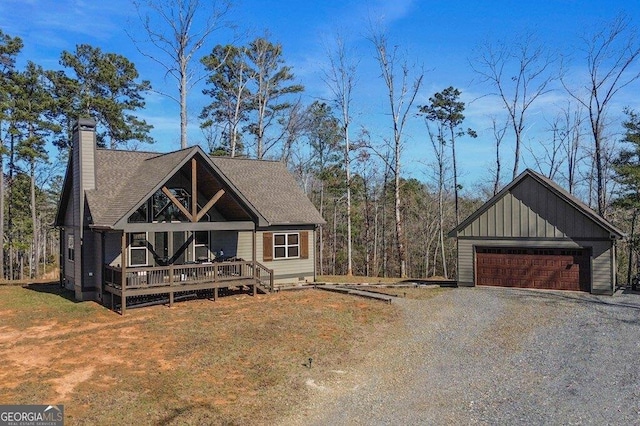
point(10, 208)
point(183, 103)
point(2, 273)
point(384, 226)
point(496, 183)
point(376, 269)
point(600, 186)
point(367, 231)
point(441, 224)
point(320, 237)
point(335, 233)
point(347, 162)
point(32, 175)
point(402, 254)
point(455, 173)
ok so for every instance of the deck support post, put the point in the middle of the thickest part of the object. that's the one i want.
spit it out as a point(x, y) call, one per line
point(215, 294)
point(254, 266)
point(171, 299)
point(123, 258)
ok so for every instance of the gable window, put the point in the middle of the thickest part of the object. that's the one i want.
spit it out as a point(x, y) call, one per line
point(140, 215)
point(71, 251)
point(164, 210)
point(286, 245)
point(138, 249)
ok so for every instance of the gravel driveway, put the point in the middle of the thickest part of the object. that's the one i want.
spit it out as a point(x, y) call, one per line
point(496, 356)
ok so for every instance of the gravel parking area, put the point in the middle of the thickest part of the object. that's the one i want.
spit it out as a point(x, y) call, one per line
point(496, 356)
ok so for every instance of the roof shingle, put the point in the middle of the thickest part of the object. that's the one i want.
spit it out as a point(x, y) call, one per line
point(124, 179)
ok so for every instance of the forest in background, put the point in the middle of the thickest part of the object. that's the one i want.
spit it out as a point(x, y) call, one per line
point(380, 222)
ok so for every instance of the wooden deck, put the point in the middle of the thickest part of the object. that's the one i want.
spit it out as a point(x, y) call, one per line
point(172, 279)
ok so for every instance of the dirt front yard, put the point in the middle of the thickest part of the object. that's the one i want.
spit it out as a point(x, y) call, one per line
point(238, 360)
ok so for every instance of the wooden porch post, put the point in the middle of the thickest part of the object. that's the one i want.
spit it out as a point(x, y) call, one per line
point(123, 258)
point(253, 255)
point(194, 189)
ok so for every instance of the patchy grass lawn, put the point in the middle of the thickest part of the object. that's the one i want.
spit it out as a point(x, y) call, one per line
point(240, 360)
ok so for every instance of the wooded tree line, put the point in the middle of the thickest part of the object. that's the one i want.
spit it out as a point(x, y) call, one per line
point(380, 222)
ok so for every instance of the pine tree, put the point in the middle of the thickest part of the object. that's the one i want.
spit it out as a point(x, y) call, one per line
point(228, 87)
point(103, 86)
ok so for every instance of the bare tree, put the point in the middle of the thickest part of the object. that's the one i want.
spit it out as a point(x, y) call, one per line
point(498, 135)
point(340, 78)
point(611, 54)
point(548, 155)
point(401, 91)
point(294, 125)
point(573, 122)
point(520, 74)
point(176, 31)
point(437, 139)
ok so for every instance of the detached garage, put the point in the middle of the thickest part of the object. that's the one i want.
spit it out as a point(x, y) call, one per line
point(534, 234)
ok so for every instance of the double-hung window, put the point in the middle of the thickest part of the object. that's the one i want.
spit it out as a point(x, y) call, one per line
point(286, 246)
point(138, 249)
point(201, 246)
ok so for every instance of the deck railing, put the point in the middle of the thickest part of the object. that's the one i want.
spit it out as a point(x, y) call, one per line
point(265, 276)
point(175, 279)
point(156, 276)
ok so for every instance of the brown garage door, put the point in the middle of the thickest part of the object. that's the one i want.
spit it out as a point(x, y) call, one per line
point(533, 268)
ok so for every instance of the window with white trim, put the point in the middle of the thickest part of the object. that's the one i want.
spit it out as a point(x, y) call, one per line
point(138, 253)
point(286, 246)
point(201, 246)
point(71, 251)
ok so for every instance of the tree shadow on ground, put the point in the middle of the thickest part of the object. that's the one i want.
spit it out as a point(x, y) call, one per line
point(52, 288)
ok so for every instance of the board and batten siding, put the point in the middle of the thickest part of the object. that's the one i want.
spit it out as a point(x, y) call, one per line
point(531, 211)
point(532, 216)
point(603, 262)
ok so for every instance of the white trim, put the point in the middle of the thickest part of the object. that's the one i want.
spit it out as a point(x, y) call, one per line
point(286, 245)
point(196, 245)
point(131, 247)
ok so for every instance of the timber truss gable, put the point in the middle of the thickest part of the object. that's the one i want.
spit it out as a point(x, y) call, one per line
point(192, 191)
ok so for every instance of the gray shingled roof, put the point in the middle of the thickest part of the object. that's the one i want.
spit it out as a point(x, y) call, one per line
point(124, 179)
point(271, 189)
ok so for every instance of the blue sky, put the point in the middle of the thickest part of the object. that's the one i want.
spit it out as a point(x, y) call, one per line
point(441, 36)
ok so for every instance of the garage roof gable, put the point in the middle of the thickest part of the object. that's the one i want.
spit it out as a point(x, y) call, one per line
point(541, 208)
